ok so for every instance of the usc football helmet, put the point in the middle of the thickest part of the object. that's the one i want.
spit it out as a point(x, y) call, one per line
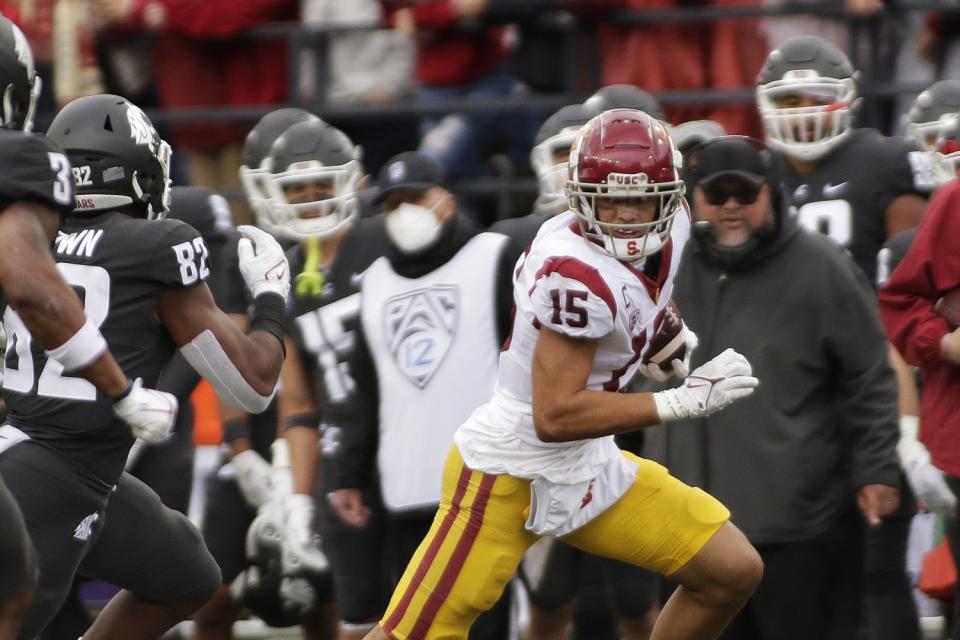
point(119, 160)
point(256, 148)
point(314, 174)
point(806, 95)
point(18, 78)
point(930, 112)
point(554, 137)
point(625, 154)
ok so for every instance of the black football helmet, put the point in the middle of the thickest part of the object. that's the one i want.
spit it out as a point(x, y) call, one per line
point(812, 68)
point(313, 152)
point(278, 592)
point(555, 136)
point(18, 78)
point(625, 96)
point(930, 112)
point(203, 209)
point(119, 159)
point(256, 148)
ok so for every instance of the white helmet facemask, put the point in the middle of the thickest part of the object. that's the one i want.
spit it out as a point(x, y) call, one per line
point(807, 133)
point(322, 218)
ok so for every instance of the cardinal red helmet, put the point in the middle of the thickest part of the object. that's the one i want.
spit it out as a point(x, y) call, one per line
point(624, 154)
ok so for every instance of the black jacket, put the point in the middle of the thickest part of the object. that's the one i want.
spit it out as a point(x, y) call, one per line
point(823, 422)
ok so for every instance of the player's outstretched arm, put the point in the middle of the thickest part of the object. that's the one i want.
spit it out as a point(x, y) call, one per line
point(564, 409)
point(243, 368)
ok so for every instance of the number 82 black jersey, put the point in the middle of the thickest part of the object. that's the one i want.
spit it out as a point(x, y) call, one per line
point(119, 266)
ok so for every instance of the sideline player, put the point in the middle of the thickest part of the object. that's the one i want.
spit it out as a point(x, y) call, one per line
point(858, 187)
point(313, 186)
point(36, 189)
point(539, 458)
point(142, 280)
point(855, 185)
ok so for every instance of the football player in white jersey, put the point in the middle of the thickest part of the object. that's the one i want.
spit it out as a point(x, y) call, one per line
point(539, 458)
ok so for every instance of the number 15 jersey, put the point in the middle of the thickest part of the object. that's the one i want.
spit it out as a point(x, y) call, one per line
point(567, 286)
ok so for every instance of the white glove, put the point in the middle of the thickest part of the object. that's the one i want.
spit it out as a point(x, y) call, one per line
point(150, 413)
point(711, 387)
point(254, 477)
point(925, 479)
point(262, 262)
point(678, 368)
point(301, 546)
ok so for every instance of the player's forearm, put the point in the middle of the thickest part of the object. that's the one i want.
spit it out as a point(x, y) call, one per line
point(260, 361)
point(304, 447)
point(592, 414)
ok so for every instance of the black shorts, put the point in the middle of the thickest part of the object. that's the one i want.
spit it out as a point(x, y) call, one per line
point(150, 550)
point(126, 537)
point(64, 513)
point(554, 574)
point(167, 468)
point(18, 561)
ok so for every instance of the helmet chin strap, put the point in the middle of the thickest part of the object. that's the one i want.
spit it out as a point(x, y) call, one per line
point(626, 249)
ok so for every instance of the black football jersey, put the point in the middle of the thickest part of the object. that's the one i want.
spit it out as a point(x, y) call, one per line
point(324, 327)
point(847, 194)
point(119, 266)
point(34, 168)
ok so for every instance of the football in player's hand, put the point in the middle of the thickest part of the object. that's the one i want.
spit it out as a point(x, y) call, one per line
point(949, 306)
point(668, 342)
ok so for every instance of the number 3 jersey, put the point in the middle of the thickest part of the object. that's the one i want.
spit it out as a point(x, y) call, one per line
point(572, 288)
point(119, 266)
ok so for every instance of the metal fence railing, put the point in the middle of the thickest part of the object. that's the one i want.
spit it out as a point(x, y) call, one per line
point(867, 38)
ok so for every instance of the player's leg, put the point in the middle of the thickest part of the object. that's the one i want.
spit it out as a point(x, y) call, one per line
point(18, 566)
point(63, 514)
point(550, 572)
point(469, 555)
point(159, 560)
point(635, 600)
point(692, 542)
point(357, 565)
point(225, 522)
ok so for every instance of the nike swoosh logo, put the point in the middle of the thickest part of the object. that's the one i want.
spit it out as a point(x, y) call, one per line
point(834, 190)
point(697, 386)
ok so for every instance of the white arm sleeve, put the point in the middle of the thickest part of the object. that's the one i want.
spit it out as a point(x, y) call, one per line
point(205, 354)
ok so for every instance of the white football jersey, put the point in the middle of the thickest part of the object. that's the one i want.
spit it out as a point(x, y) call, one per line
point(576, 289)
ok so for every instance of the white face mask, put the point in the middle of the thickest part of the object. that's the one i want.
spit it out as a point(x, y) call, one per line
point(412, 227)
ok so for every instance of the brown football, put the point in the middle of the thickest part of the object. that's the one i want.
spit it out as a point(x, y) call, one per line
point(668, 341)
point(949, 306)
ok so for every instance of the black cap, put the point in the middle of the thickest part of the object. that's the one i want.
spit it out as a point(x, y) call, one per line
point(408, 171)
point(730, 157)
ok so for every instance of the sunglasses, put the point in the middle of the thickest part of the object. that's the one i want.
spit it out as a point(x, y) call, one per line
point(743, 195)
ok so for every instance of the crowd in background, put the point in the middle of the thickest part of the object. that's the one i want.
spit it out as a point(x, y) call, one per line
point(174, 54)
